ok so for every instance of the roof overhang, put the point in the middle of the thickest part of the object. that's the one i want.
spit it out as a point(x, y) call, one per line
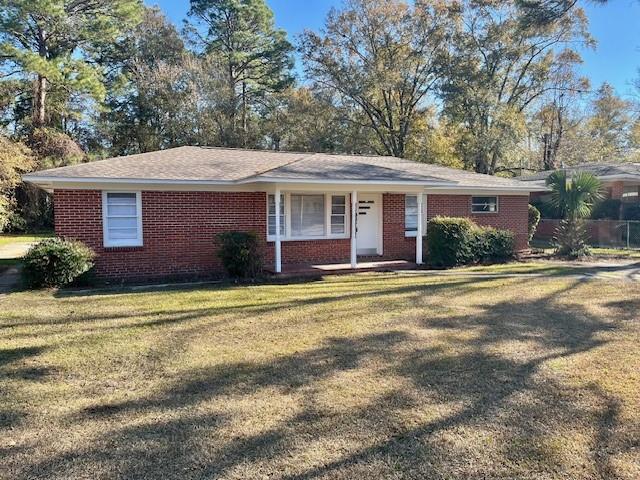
point(267, 184)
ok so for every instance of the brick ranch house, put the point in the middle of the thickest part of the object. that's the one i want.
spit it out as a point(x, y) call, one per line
point(158, 214)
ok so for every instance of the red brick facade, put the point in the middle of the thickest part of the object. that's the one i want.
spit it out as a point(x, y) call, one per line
point(512, 214)
point(179, 230)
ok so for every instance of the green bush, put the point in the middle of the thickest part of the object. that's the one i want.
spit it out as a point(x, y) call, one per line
point(546, 208)
point(450, 241)
point(55, 262)
point(609, 209)
point(631, 211)
point(493, 245)
point(534, 219)
point(458, 241)
point(240, 254)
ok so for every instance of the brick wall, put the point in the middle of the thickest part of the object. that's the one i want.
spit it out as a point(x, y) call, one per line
point(395, 244)
point(512, 213)
point(180, 228)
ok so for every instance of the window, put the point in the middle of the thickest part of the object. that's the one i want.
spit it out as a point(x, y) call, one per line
point(122, 219)
point(484, 204)
point(411, 215)
point(338, 215)
point(307, 216)
point(630, 193)
point(272, 215)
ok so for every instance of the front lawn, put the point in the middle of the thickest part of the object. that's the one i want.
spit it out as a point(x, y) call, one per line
point(355, 377)
point(9, 239)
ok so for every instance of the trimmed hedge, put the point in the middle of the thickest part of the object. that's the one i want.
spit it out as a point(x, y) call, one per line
point(240, 254)
point(459, 241)
point(55, 262)
point(607, 209)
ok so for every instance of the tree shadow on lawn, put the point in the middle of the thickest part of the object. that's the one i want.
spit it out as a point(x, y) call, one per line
point(241, 308)
point(9, 358)
point(174, 434)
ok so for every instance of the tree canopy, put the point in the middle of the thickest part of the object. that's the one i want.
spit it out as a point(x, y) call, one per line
point(486, 85)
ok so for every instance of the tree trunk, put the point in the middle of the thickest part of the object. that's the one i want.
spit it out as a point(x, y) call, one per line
point(244, 114)
point(39, 98)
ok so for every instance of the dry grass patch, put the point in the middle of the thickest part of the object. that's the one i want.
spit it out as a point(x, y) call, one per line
point(368, 376)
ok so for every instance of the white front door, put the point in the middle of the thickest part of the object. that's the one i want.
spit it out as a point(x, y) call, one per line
point(368, 224)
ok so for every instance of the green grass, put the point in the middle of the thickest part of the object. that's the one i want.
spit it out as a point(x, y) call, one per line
point(541, 267)
point(7, 239)
point(595, 251)
point(616, 252)
point(371, 376)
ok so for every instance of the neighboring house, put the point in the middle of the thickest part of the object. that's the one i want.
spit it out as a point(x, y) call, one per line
point(158, 214)
point(620, 180)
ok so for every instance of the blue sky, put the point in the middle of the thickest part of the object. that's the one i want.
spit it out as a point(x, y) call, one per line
point(615, 26)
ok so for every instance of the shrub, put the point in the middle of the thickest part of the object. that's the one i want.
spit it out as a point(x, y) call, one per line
point(240, 254)
point(493, 245)
point(631, 211)
point(608, 208)
point(55, 262)
point(534, 219)
point(450, 242)
point(546, 208)
point(459, 241)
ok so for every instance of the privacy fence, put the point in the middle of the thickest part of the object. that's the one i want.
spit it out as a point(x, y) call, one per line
point(602, 233)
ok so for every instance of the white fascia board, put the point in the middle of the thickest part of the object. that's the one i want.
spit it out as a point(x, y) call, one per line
point(140, 181)
point(613, 178)
point(462, 190)
point(50, 184)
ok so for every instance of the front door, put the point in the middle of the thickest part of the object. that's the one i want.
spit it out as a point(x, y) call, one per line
point(368, 224)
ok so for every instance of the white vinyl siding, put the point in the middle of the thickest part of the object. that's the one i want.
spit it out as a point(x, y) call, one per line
point(484, 204)
point(122, 219)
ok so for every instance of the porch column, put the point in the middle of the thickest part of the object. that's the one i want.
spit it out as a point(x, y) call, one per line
point(278, 241)
point(419, 232)
point(354, 212)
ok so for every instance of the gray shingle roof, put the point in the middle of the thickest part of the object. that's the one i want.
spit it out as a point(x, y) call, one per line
point(210, 164)
point(598, 169)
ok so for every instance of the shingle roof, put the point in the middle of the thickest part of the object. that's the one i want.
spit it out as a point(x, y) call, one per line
point(598, 169)
point(242, 166)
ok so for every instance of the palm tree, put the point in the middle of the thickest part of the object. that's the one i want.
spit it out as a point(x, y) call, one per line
point(573, 198)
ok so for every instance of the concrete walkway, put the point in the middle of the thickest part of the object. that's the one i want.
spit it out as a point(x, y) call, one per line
point(9, 279)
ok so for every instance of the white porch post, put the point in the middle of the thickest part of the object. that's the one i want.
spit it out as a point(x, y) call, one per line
point(278, 241)
point(419, 232)
point(354, 212)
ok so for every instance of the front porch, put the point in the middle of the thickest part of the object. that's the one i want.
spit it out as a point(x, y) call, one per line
point(306, 269)
point(335, 230)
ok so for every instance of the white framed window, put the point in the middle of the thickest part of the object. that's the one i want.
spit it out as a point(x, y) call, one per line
point(306, 215)
point(271, 207)
point(338, 215)
point(630, 193)
point(484, 204)
point(122, 219)
point(411, 215)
